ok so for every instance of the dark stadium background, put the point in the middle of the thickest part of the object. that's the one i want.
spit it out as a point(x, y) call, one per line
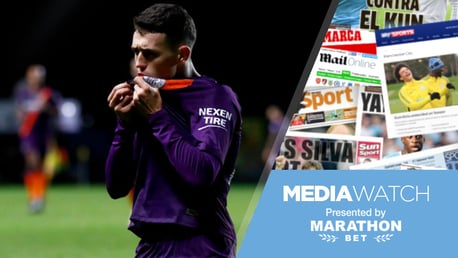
point(259, 49)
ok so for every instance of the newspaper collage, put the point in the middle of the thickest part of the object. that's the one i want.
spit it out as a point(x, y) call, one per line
point(380, 95)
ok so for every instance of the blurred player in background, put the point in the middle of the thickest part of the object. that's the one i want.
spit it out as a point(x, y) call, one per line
point(36, 110)
point(275, 119)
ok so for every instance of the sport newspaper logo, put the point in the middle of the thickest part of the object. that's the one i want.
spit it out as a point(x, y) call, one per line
point(324, 105)
point(360, 224)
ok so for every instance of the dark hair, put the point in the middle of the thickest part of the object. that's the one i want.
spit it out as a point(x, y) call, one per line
point(171, 19)
point(397, 68)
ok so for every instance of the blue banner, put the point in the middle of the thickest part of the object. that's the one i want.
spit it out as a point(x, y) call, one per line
point(355, 214)
point(417, 33)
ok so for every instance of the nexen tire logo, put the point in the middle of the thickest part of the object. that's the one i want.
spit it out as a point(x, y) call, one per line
point(215, 117)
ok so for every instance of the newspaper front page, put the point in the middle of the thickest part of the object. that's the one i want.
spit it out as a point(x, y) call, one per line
point(325, 106)
point(441, 158)
point(417, 102)
point(328, 151)
point(346, 60)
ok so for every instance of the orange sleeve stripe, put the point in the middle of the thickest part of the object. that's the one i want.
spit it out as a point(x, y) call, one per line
point(28, 123)
point(175, 84)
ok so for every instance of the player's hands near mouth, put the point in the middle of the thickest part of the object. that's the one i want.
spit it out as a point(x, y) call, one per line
point(120, 100)
point(146, 99)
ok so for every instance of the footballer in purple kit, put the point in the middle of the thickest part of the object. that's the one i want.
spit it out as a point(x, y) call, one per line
point(175, 145)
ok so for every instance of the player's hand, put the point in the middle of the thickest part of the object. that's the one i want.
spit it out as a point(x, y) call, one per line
point(146, 99)
point(120, 100)
point(435, 95)
point(450, 86)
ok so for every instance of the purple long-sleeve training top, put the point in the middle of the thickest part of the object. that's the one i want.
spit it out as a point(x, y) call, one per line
point(180, 160)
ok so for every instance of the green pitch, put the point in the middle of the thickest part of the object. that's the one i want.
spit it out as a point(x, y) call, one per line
point(396, 105)
point(80, 221)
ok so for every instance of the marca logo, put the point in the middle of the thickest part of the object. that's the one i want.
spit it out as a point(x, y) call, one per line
point(342, 35)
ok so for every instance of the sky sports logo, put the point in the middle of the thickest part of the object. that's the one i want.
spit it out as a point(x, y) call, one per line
point(398, 33)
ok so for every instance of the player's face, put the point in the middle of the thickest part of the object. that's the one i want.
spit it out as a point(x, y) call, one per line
point(153, 56)
point(405, 74)
point(413, 143)
point(35, 77)
point(437, 72)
